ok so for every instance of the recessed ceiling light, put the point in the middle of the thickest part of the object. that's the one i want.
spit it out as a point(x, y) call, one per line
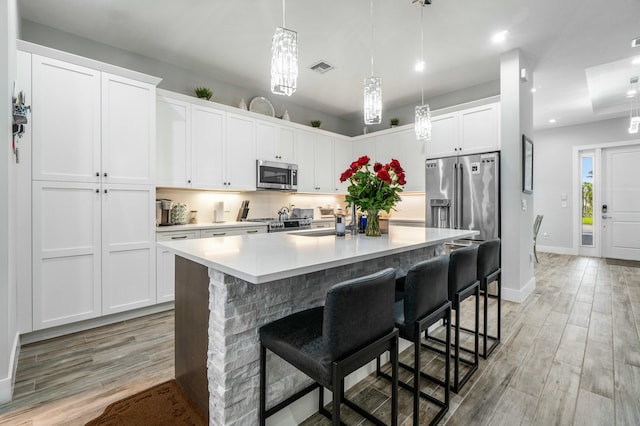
point(636, 61)
point(499, 37)
point(533, 90)
point(419, 66)
point(553, 120)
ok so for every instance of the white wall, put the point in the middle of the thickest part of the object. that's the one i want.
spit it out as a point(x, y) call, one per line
point(517, 224)
point(553, 174)
point(8, 328)
point(174, 78)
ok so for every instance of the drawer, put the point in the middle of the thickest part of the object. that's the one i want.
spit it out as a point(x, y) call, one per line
point(177, 235)
point(227, 232)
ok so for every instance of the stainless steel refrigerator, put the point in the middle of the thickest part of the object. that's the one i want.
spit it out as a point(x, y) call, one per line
point(464, 193)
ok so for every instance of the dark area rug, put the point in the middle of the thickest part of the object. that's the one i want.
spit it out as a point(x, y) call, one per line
point(621, 262)
point(163, 404)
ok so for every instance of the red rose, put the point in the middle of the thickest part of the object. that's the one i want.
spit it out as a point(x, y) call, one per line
point(355, 166)
point(377, 166)
point(401, 180)
point(395, 165)
point(363, 161)
point(387, 167)
point(346, 175)
point(384, 176)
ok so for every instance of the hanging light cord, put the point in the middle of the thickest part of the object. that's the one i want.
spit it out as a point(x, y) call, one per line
point(371, 25)
point(284, 25)
point(422, 50)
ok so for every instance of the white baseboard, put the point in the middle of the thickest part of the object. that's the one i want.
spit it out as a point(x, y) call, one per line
point(6, 384)
point(558, 250)
point(519, 296)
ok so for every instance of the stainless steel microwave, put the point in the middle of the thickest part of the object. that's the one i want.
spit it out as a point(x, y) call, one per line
point(276, 175)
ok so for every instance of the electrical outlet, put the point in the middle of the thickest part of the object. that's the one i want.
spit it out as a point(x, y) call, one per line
point(545, 235)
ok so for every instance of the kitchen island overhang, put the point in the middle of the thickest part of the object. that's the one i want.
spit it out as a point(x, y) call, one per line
point(226, 288)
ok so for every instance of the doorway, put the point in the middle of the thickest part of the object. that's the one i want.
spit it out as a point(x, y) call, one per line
point(587, 237)
point(620, 203)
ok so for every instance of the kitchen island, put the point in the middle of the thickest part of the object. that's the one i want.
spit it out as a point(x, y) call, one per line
point(226, 288)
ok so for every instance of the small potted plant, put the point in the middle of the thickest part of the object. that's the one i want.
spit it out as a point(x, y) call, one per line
point(394, 122)
point(203, 93)
point(316, 123)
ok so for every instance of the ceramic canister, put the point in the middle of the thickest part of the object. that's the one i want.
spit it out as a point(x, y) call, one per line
point(179, 214)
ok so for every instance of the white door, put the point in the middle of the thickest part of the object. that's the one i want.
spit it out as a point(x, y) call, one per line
point(286, 150)
point(267, 135)
point(128, 131)
point(207, 147)
point(305, 157)
point(621, 196)
point(128, 247)
point(66, 252)
point(342, 161)
point(325, 177)
point(173, 143)
point(66, 121)
point(479, 129)
point(240, 153)
point(444, 136)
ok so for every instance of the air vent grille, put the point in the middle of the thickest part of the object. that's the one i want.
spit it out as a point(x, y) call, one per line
point(321, 67)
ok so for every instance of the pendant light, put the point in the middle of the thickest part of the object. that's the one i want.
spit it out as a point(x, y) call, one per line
point(422, 124)
point(284, 59)
point(372, 89)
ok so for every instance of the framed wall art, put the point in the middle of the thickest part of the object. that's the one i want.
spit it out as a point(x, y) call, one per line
point(527, 165)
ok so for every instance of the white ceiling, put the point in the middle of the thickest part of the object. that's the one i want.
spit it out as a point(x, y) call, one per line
point(580, 49)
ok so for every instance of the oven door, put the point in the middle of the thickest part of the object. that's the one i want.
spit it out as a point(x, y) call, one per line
point(274, 175)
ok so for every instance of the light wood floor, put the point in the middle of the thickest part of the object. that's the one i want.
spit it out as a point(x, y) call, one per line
point(570, 354)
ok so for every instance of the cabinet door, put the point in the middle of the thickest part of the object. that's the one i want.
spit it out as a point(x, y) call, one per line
point(305, 157)
point(341, 162)
point(365, 146)
point(413, 160)
point(66, 252)
point(388, 146)
point(166, 265)
point(173, 143)
point(128, 247)
point(128, 131)
point(240, 153)
point(324, 176)
point(444, 136)
point(66, 121)
point(286, 145)
point(480, 129)
point(228, 232)
point(207, 147)
point(267, 135)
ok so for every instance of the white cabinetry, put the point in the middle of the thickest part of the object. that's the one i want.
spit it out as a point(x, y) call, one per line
point(173, 142)
point(315, 160)
point(342, 161)
point(207, 148)
point(274, 142)
point(469, 131)
point(240, 166)
point(403, 146)
point(93, 209)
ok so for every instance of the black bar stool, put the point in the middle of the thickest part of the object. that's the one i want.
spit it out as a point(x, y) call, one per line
point(327, 343)
point(426, 301)
point(463, 283)
point(489, 271)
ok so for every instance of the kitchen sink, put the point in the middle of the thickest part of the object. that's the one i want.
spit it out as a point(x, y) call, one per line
point(318, 233)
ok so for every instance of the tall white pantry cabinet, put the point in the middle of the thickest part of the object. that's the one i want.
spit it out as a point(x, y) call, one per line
point(93, 188)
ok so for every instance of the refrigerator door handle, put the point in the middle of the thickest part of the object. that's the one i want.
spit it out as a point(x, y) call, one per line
point(453, 219)
point(459, 197)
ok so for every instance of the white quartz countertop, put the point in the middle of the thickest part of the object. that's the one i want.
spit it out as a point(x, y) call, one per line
point(260, 258)
point(209, 225)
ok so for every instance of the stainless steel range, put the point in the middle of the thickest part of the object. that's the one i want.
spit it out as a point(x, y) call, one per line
point(275, 225)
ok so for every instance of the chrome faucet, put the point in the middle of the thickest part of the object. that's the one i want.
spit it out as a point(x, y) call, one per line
point(353, 226)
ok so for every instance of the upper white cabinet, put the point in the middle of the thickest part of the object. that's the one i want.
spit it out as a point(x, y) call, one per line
point(204, 147)
point(66, 121)
point(128, 130)
point(403, 146)
point(341, 162)
point(469, 131)
point(91, 126)
point(173, 142)
point(314, 156)
point(274, 142)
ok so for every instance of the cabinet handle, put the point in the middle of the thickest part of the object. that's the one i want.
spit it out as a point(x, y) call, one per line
point(97, 174)
point(320, 226)
point(182, 237)
point(106, 190)
point(189, 181)
point(105, 174)
point(252, 232)
point(219, 235)
point(97, 191)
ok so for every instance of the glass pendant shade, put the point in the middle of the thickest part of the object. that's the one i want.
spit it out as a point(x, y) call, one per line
point(284, 62)
point(634, 125)
point(423, 123)
point(372, 100)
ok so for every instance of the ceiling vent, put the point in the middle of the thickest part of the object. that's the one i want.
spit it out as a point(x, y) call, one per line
point(635, 42)
point(321, 67)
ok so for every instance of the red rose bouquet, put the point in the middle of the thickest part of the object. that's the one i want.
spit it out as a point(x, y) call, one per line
point(374, 188)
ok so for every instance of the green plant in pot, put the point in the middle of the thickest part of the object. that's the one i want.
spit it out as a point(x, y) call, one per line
point(203, 93)
point(316, 123)
point(394, 122)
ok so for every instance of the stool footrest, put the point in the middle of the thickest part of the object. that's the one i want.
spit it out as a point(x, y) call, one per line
point(296, 396)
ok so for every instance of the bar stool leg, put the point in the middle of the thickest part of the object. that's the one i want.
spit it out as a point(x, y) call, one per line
point(477, 328)
point(456, 350)
point(263, 384)
point(394, 382)
point(447, 365)
point(416, 380)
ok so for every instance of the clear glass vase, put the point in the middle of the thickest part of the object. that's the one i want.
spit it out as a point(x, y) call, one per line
point(373, 224)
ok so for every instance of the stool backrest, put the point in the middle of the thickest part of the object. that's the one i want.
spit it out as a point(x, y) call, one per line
point(463, 269)
point(425, 288)
point(358, 311)
point(536, 226)
point(488, 257)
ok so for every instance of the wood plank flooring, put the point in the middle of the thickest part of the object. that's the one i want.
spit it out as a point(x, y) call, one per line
point(570, 354)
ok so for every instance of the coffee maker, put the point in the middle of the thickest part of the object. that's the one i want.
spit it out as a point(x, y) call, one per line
point(163, 212)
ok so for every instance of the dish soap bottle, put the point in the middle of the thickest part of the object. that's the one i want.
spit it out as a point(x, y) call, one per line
point(340, 225)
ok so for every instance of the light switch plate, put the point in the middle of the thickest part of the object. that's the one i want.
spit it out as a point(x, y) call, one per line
point(524, 204)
